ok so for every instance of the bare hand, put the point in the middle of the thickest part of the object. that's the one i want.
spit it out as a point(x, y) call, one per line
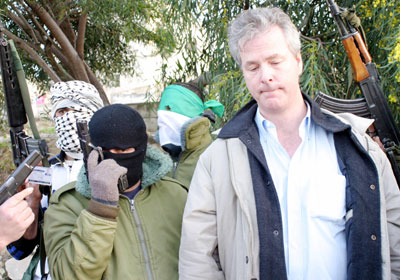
point(375, 137)
point(35, 197)
point(15, 217)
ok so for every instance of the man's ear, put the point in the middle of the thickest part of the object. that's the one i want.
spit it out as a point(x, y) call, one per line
point(299, 63)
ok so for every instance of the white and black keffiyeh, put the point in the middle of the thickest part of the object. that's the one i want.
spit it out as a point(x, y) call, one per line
point(84, 100)
point(66, 130)
point(67, 94)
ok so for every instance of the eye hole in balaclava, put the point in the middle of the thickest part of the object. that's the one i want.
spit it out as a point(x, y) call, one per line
point(119, 126)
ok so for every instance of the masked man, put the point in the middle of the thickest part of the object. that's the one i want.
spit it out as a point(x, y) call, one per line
point(70, 101)
point(183, 120)
point(99, 229)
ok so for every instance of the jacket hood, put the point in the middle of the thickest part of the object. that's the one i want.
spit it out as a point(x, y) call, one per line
point(239, 124)
point(155, 166)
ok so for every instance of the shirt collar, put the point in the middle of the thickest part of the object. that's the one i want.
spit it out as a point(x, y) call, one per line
point(269, 127)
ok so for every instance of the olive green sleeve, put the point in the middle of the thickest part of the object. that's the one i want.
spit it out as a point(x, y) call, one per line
point(78, 243)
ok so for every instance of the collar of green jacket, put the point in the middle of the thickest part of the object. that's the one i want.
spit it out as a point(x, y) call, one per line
point(155, 166)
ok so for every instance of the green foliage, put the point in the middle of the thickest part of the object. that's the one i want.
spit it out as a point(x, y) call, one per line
point(196, 31)
point(119, 23)
point(326, 66)
point(48, 130)
point(204, 48)
point(111, 27)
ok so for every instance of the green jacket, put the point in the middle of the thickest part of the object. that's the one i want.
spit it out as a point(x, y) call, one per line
point(142, 243)
point(196, 137)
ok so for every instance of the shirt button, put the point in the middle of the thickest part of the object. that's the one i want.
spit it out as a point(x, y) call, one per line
point(372, 187)
point(373, 237)
point(276, 232)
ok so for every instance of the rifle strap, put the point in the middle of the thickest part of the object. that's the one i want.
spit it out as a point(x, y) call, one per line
point(355, 21)
point(42, 253)
point(352, 18)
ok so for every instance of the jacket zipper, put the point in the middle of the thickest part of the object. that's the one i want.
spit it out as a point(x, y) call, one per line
point(175, 165)
point(142, 241)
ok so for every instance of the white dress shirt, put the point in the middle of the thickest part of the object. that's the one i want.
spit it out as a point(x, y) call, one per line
point(311, 192)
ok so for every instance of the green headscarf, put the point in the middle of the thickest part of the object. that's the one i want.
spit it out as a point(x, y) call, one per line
point(185, 102)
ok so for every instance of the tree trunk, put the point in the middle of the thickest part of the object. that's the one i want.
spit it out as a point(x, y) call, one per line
point(69, 50)
point(94, 81)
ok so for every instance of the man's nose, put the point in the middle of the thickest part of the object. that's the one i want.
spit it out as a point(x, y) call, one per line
point(266, 74)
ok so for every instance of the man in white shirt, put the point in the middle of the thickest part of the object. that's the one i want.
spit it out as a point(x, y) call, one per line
point(288, 191)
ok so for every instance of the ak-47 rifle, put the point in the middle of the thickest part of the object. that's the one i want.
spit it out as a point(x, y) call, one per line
point(373, 103)
point(18, 104)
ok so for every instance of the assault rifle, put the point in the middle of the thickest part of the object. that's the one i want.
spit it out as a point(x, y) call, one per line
point(17, 178)
point(18, 104)
point(87, 147)
point(373, 104)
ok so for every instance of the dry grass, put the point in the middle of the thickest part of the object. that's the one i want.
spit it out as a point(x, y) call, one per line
point(6, 161)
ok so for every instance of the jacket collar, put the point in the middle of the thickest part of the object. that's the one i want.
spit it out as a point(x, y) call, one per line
point(239, 124)
point(155, 166)
point(58, 159)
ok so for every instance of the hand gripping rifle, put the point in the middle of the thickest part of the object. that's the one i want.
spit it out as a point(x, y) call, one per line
point(373, 104)
point(18, 105)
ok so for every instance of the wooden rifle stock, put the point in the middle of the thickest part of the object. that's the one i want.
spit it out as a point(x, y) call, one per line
point(362, 48)
point(360, 72)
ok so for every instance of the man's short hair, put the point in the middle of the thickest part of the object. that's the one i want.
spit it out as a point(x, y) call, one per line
point(193, 87)
point(250, 23)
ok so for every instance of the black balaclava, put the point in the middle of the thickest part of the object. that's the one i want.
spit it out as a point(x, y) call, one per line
point(119, 126)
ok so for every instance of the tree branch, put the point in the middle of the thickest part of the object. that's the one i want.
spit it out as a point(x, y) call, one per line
point(65, 76)
point(66, 27)
point(57, 10)
point(79, 71)
point(36, 37)
point(60, 56)
point(23, 45)
point(318, 37)
point(44, 36)
point(94, 81)
point(20, 21)
point(80, 42)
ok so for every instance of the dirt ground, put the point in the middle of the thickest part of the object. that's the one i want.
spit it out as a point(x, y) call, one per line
point(4, 256)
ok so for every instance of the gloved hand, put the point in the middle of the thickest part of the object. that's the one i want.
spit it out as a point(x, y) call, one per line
point(195, 133)
point(103, 179)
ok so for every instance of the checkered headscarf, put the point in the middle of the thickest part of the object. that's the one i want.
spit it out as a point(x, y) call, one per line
point(83, 99)
point(67, 94)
